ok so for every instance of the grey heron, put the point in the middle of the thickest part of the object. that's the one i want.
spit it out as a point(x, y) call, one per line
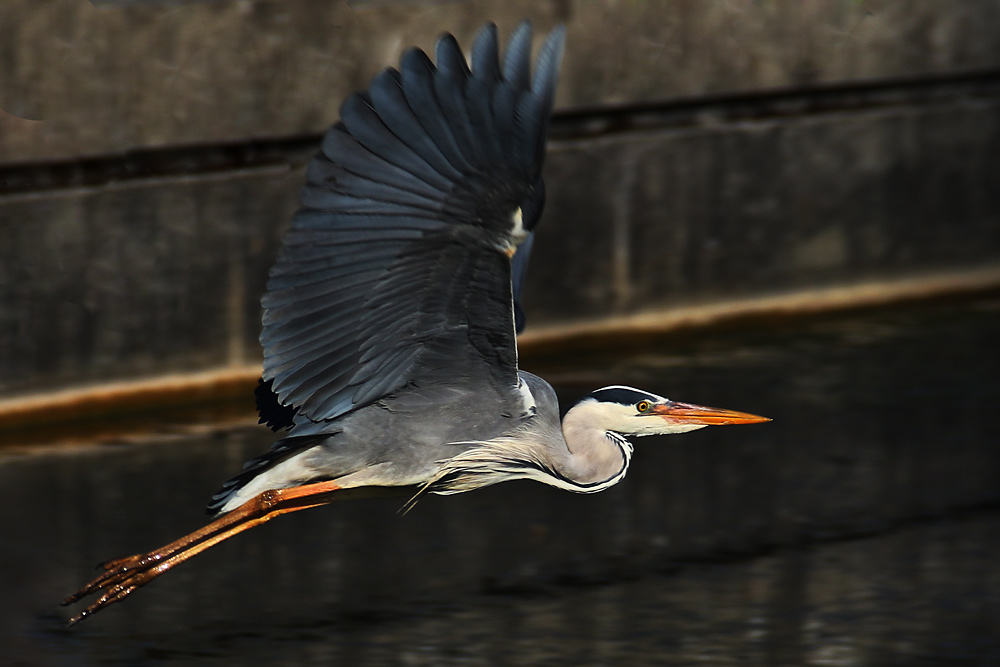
point(391, 314)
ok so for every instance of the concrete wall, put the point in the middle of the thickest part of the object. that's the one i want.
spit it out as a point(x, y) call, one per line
point(150, 155)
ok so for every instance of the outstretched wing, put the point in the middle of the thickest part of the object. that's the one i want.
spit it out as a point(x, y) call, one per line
point(397, 268)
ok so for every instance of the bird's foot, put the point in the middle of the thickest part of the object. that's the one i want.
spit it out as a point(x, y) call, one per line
point(121, 577)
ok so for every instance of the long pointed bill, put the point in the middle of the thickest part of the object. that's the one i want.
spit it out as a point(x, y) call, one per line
point(686, 413)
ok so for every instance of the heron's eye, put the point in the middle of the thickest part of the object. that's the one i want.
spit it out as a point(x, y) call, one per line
point(642, 406)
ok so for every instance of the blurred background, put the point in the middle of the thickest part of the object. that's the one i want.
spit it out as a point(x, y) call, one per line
point(789, 208)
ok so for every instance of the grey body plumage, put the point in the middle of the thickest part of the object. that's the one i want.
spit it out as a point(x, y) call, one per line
point(391, 314)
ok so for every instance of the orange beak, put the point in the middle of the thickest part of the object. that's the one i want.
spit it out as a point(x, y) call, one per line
point(686, 413)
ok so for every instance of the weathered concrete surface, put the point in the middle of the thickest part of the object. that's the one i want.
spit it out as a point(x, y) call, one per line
point(113, 76)
point(113, 282)
point(691, 215)
point(159, 275)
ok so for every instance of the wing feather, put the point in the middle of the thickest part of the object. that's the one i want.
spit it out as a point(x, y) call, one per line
point(396, 270)
point(517, 57)
point(349, 153)
point(418, 88)
point(392, 107)
point(449, 84)
point(363, 123)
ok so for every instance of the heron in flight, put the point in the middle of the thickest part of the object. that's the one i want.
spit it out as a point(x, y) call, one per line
point(390, 317)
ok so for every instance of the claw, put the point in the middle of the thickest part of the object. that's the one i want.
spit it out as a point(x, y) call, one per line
point(115, 571)
point(123, 576)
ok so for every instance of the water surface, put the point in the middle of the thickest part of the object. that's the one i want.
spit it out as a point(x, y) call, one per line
point(858, 528)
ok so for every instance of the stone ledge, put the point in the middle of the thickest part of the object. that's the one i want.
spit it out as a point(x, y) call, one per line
point(234, 382)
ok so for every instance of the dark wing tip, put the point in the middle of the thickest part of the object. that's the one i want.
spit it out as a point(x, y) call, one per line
point(271, 411)
point(486, 54)
point(547, 66)
point(517, 56)
point(415, 57)
point(449, 57)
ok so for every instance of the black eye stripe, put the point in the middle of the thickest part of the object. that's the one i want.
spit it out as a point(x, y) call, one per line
point(622, 395)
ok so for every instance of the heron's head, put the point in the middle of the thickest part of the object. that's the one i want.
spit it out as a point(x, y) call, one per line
point(630, 411)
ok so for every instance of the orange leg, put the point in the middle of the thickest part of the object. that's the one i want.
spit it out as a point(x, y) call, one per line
point(122, 576)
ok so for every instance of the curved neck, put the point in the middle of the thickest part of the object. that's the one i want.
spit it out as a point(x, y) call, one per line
point(598, 458)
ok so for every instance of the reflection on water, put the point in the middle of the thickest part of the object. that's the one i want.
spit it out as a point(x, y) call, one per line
point(926, 594)
point(826, 537)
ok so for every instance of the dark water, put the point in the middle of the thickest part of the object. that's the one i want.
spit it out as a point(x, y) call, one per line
point(861, 527)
